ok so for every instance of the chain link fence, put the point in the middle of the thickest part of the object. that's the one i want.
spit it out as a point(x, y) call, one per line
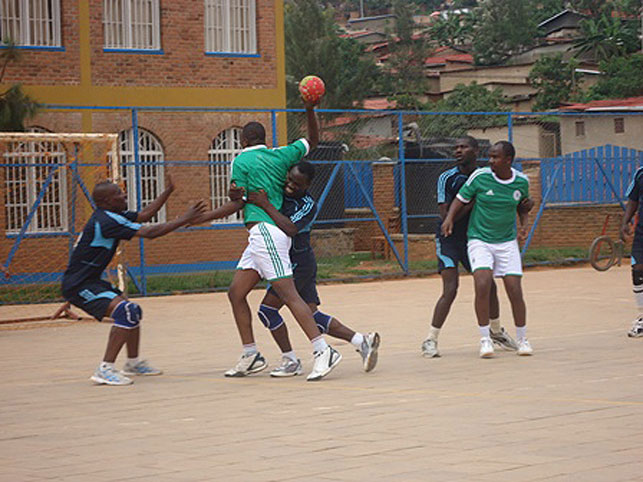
point(376, 181)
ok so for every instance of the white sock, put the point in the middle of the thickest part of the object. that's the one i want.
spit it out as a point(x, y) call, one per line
point(494, 323)
point(521, 332)
point(638, 297)
point(132, 361)
point(290, 354)
point(434, 333)
point(357, 340)
point(484, 331)
point(104, 365)
point(249, 349)
point(319, 344)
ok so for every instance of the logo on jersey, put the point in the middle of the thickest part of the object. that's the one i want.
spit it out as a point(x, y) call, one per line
point(489, 192)
point(516, 194)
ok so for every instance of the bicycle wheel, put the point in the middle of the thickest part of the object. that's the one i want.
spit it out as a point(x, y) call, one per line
point(602, 253)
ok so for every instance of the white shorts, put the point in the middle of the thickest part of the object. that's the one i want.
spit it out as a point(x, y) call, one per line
point(268, 252)
point(502, 258)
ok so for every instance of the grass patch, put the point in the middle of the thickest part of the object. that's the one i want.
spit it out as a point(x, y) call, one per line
point(554, 255)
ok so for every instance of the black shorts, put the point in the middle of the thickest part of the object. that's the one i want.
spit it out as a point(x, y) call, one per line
point(304, 275)
point(637, 246)
point(93, 297)
point(451, 251)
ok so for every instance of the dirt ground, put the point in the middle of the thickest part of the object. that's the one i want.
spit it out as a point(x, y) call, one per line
point(573, 411)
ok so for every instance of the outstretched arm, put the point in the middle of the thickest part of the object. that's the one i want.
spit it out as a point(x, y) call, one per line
point(454, 209)
point(222, 211)
point(188, 217)
point(260, 198)
point(312, 123)
point(149, 211)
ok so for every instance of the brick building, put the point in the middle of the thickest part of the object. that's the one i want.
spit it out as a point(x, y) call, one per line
point(143, 53)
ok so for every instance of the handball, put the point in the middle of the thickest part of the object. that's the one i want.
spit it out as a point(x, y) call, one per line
point(311, 88)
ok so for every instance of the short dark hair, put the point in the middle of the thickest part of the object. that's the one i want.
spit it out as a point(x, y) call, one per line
point(306, 168)
point(472, 141)
point(101, 191)
point(508, 149)
point(254, 133)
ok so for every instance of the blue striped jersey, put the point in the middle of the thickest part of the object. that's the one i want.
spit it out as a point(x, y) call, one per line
point(635, 192)
point(449, 183)
point(301, 211)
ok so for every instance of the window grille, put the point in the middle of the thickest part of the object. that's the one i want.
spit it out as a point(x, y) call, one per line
point(132, 24)
point(230, 26)
point(30, 22)
point(221, 153)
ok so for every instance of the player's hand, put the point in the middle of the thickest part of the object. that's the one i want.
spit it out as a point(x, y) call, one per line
point(526, 205)
point(235, 193)
point(523, 232)
point(625, 232)
point(194, 212)
point(260, 198)
point(308, 104)
point(447, 227)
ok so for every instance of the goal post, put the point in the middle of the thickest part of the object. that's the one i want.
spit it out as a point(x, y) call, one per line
point(46, 181)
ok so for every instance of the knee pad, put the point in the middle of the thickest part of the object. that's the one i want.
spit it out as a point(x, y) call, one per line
point(270, 317)
point(322, 320)
point(127, 315)
point(637, 277)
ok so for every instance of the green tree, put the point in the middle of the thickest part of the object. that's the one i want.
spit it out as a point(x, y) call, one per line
point(452, 30)
point(405, 65)
point(313, 46)
point(544, 9)
point(621, 78)
point(465, 98)
point(505, 28)
point(606, 37)
point(15, 106)
point(554, 79)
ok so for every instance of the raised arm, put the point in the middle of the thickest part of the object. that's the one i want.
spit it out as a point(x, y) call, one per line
point(188, 217)
point(260, 198)
point(149, 211)
point(312, 123)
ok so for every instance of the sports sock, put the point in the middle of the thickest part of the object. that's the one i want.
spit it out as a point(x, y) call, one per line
point(105, 365)
point(484, 331)
point(521, 332)
point(132, 361)
point(249, 349)
point(434, 333)
point(494, 323)
point(319, 344)
point(638, 296)
point(290, 354)
point(357, 340)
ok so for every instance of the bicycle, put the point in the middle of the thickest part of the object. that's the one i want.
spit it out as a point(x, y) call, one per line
point(604, 252)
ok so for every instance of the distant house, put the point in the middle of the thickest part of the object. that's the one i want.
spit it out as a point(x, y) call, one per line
point(607, 122)
point(379, 24)
point(562, 25)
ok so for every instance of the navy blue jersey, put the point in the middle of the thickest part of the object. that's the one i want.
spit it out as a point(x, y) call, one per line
point(635, 193)
point(301, 211)
point(97, 245)
point(449, 183)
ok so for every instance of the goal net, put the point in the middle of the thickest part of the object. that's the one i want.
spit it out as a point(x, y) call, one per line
point(46, 181)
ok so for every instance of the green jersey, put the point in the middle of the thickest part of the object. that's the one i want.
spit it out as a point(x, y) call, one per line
point(493, 218)
point(258, 167)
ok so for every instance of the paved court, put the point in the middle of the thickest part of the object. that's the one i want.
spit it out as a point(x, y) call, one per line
point(574, 411)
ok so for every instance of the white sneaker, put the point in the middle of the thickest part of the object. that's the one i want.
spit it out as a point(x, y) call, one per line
point(637, 329)
point(109, 376)
point(288, 368)
point(504, 340)
point(430, 348)
point(324, 363)
point(247, 365)
point(524, 348)
point(486, 347)
point(141, 368)
point(368, 350)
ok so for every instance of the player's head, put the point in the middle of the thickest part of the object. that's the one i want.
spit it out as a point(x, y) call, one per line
point(501, 156)
point(299, 178)
point(253, 134)
point(466, 150)
point(110, 196)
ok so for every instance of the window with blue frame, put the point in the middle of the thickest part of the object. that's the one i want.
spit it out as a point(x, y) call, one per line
point(132, 25)
point(33, 23)
point(231, 27)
